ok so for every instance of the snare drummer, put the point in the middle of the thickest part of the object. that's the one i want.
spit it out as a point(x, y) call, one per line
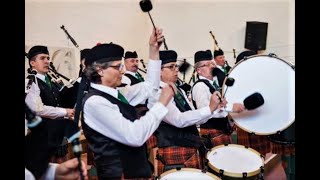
point(177, 136)
point(110, 124)
point(217, 129)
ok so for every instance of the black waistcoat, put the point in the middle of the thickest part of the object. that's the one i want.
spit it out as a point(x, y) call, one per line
point(133, 79)
point(168, 135)
point(112, 157)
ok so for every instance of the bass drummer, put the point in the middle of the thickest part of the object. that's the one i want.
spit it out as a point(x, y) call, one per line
point(216, 130)
point(258, 142)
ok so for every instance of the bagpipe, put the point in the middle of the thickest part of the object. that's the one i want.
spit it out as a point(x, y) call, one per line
point(68, 91)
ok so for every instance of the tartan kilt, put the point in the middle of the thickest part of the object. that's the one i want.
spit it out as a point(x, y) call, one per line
point(257, 142)
point(282, 149)
point(218, 136)
point(187, 156)
point(151, 142)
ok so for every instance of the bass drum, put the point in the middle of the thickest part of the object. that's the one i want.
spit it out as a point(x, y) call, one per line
point(274, 79)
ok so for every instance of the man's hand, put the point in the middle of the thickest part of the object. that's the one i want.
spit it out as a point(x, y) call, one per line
point(155, 42)
point(70, 113)
point(238, 107)
point(166, 94)
point(215, 101)
point(68, 170)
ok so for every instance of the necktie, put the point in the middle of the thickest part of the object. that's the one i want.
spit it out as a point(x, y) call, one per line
point(224, 70)
point(181, 100)
point(215, 85)
point(139, 77)
point(122, 98)
point(47, 81)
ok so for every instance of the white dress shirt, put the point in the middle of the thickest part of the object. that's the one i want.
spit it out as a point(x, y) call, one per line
point(33, 100)
point(183, 119)
point(48, 175)
point(127, 81)
point(28, 175)
point(106, 118)
point(201, 95)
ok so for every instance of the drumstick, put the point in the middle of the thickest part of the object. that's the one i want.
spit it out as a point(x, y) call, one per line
point(219, 97)
point(229, 82)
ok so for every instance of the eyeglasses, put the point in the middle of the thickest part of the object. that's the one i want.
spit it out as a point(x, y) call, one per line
point(172, 67)
point(118, 67)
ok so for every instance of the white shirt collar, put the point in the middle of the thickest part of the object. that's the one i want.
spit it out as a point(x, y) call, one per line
point(132, 73)
point(211, 81)
point(220, 67)
point(41, 76)
point(113, 92)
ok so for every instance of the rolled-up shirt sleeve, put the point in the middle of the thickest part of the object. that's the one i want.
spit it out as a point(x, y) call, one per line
point(106, 118)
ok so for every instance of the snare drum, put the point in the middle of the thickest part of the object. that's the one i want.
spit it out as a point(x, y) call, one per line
point(187, 173)
point(233, 161)
point(274, 79)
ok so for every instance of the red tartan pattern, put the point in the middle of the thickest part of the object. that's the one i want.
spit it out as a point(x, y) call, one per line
point(282, 149)
point(217, 136)
point(256, 142)
point(151, 142)
point(179, 155)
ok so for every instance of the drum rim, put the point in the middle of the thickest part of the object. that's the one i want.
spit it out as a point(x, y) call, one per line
point(233, 174)
point(224, 87)
point(189, 169)
point(261, 55)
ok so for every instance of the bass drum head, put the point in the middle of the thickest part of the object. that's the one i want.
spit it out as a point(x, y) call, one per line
point(274, 79)
point(187, 173)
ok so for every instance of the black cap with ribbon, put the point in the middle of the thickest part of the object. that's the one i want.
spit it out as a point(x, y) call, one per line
point(104, 53)
point(168, 56)
point(35, 50)
point(202, 56)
